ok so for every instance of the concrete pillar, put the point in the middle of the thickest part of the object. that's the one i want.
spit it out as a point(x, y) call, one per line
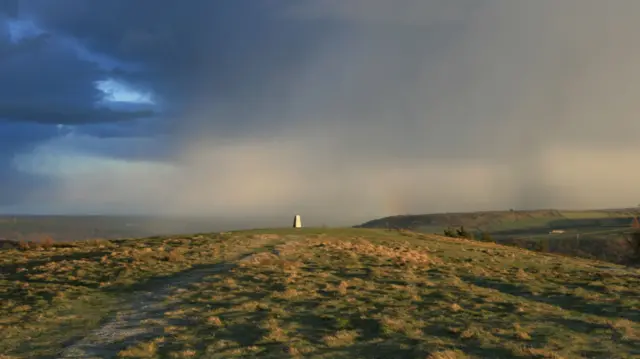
point(297, 223)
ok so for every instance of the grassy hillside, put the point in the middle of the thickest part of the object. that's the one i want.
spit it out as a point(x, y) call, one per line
point(313, 293)
point(596, 234)
point(511, 222)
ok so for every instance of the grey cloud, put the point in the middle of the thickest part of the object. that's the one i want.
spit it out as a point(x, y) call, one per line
point(238, 52)
point(9, 8)
point(44, 80)
point(352, 109)
point(43, 83)
point(401, 12)
point(69, 116)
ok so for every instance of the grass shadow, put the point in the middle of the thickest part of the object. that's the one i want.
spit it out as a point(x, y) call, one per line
point(566, 302)
point(31, 264)
point(197, 271)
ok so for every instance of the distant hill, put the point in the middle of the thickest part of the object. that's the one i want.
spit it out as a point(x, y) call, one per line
point(508, 221)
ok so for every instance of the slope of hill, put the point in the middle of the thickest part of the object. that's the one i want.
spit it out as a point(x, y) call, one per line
point(313, 293)
point(504, 224)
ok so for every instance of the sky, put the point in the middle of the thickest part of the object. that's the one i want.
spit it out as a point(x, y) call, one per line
point(338, 110)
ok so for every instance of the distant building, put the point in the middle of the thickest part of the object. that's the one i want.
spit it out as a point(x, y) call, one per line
point(557, 231)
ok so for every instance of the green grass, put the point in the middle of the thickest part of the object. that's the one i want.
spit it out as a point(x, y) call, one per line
point(524, 223)
point(327, 293)
point(498, 221)
point(586, 214)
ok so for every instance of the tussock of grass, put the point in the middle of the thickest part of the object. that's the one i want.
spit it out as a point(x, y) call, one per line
point(215, 321)
point(142, 350)
point(341, 338)
point(448, 354)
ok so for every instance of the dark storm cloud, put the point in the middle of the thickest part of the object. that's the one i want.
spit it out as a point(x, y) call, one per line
point(44, 83)
point(9, 8)
point(349, 108)
point(145, 127)
point(43, 80)
point(240, 52)
point(60, 114)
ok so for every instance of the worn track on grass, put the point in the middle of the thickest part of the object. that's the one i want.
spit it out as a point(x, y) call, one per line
point(138, 320)
point(141, 318)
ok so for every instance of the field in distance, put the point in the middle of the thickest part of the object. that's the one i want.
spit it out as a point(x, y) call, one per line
point(313, 293)
point(510, 224)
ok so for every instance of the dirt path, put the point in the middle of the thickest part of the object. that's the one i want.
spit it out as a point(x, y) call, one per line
point(142, 318)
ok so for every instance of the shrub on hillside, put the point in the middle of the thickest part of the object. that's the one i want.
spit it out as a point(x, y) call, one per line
point(486, 237)
point(47, 242)
point(458, 233)
point(24, 245)
point(633, 241)
point(450, 232)
point(542, 245)
point(462, 233)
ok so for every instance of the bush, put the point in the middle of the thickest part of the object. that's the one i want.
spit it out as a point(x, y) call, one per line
point(450, 232)
point(462, 233)
point(47, 242)
point(542, 245)
point(23, 245)
point(458, 233)
point(486, 237)
point(633, 241)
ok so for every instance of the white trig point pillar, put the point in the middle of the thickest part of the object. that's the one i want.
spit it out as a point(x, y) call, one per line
point(297, 223)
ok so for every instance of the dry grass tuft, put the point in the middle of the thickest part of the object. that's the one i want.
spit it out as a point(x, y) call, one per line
point(624, 330)
point(142, 350)
point(400, 255)
point(341, 338)
point(265, 237)
point(47, 243)
point(520, 333)
point(215, 321)
point(262, 258)
point(473, 331)
point(230, 283)
point(274, 332)
point(521, 274)
point(289, 293)
point(187, 353)
point(175, 255)
point(448, 354)
point(342, 287)
point(538, 353)
point(390, 324)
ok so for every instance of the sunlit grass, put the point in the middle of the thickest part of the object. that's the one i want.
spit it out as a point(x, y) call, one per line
point(321, 293)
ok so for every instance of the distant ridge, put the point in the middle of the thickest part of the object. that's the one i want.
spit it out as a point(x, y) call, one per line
point(496, 220)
